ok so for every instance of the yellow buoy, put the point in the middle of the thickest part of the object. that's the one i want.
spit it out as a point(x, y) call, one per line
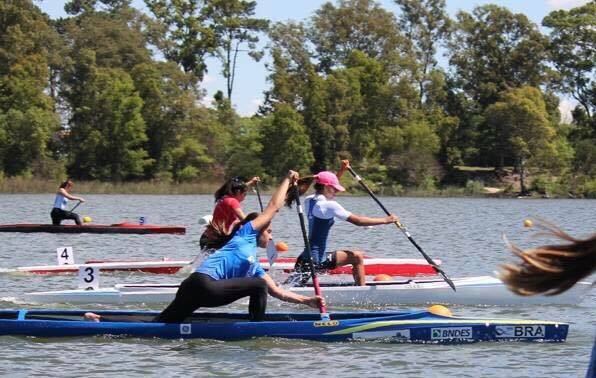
point(87, 219)
point(528, 223)
point(439, 310)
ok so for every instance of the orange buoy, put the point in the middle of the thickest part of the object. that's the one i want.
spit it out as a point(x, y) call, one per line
point(439, 310)
point(382, 277)
point(281, 247)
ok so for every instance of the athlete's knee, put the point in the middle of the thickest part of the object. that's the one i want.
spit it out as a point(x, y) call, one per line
point(356, 257)
point(260, 286)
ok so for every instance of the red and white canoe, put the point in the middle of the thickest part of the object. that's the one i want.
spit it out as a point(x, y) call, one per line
point(373, 266)
point(117, 228)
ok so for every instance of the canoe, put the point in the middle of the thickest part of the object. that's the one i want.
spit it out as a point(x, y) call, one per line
point(117, 228)
point(481, 290)
point(420, 326)
point(392, 267)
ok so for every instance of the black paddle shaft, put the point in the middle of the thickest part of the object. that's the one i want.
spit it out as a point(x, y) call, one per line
point(403, 229)
point(315, 280)
point(259, 195)
point(311, 265)
point(75, 206)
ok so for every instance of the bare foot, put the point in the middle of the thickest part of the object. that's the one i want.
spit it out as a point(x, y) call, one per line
point(91, 317)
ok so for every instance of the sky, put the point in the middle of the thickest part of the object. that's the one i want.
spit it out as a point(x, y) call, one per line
point(251, 76)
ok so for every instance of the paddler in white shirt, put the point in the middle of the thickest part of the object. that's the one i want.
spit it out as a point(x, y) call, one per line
point(59, 212)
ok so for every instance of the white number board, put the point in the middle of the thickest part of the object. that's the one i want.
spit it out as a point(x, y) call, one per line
point(88, 277)
point(65, 256)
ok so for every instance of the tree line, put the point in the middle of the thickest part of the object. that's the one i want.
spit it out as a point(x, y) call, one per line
point(111, 93)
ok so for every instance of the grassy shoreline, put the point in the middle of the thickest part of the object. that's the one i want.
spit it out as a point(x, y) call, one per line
point(20, 185)
point(14, 185)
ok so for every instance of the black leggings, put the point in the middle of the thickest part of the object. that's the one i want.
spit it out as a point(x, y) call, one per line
point(200, 290)
point(58, 215)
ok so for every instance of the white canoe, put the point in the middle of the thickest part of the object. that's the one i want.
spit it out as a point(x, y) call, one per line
point(373, 266)
point(482, 290)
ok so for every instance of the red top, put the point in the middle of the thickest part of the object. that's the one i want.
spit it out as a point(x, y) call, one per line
point(224, 211)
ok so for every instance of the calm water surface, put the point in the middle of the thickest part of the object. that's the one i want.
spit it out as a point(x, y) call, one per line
point(465, 233)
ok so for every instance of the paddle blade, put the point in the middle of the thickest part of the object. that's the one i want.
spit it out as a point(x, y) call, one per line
point(271, 252)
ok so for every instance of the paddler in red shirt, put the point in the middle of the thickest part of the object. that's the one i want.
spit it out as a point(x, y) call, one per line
point(227, 211)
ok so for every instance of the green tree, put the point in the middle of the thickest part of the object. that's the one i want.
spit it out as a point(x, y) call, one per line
point(493, 50)
point(285, 142)
point(116, 35)
point(244, 150)
point(27, 118)
point(524, 133)
point(107, 131)
point(362, 25)
point(234, 27)
point(409, 152)
point(167, 106)
point(183, 33)
point(426, 24)
point(572, 50)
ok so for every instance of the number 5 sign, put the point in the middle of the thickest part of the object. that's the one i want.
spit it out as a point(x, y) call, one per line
point(65, 256)
point(88, 277)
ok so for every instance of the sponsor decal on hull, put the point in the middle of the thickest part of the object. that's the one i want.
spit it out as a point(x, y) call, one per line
point(326, 323)
point(449, 333)
point(401, 335)
point(521, 331)
point(185, 329)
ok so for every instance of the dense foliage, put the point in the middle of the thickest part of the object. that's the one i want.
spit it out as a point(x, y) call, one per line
point(111, 93)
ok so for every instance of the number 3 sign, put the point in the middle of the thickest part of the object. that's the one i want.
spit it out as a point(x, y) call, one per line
point(88, 277)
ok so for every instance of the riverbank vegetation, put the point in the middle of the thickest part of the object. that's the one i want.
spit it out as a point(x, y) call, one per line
point(113, 97)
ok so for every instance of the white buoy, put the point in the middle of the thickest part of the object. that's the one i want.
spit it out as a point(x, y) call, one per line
point(206, 219)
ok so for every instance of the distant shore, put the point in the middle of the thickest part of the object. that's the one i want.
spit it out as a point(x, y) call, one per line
point(21, 185)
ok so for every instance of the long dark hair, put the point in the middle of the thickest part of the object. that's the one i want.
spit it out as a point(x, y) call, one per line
point(231, 187)
point(219, 236)
point(65, 184)
point(551, 269)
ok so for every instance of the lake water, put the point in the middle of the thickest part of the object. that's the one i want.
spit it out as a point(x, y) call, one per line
point(466, 234)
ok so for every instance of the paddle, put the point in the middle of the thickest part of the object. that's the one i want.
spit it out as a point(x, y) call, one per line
point(271, 249)
point(75, 206)
point(315, 279)
point(403, 229)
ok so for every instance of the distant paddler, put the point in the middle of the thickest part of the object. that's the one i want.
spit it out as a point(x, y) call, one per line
point(59, 212)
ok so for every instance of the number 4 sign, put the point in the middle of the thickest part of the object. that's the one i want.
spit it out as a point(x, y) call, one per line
point(65, 256)
point(88, 277)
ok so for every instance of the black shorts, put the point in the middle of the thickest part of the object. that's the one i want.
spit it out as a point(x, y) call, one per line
point(330, 262)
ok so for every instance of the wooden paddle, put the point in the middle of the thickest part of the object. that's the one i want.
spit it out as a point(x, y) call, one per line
point(403, 229)
point(315, 279)
point(271, 248)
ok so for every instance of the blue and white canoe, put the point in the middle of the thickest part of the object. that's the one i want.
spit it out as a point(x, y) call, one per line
point(421, 326)
point(480, 290)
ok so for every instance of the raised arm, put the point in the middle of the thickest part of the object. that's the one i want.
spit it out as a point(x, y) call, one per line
point(345, 164)
point(276, 202)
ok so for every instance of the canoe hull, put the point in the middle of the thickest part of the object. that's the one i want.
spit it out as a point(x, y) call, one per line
point(121, 228)
point(422, 327)
point(482, 290)
point(392, 267)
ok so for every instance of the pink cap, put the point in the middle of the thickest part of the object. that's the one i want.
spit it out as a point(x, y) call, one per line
point(329, 178)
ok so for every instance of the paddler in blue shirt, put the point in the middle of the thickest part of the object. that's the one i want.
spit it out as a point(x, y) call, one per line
point(59, 212)
point(322, 209)
point(234, 272)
